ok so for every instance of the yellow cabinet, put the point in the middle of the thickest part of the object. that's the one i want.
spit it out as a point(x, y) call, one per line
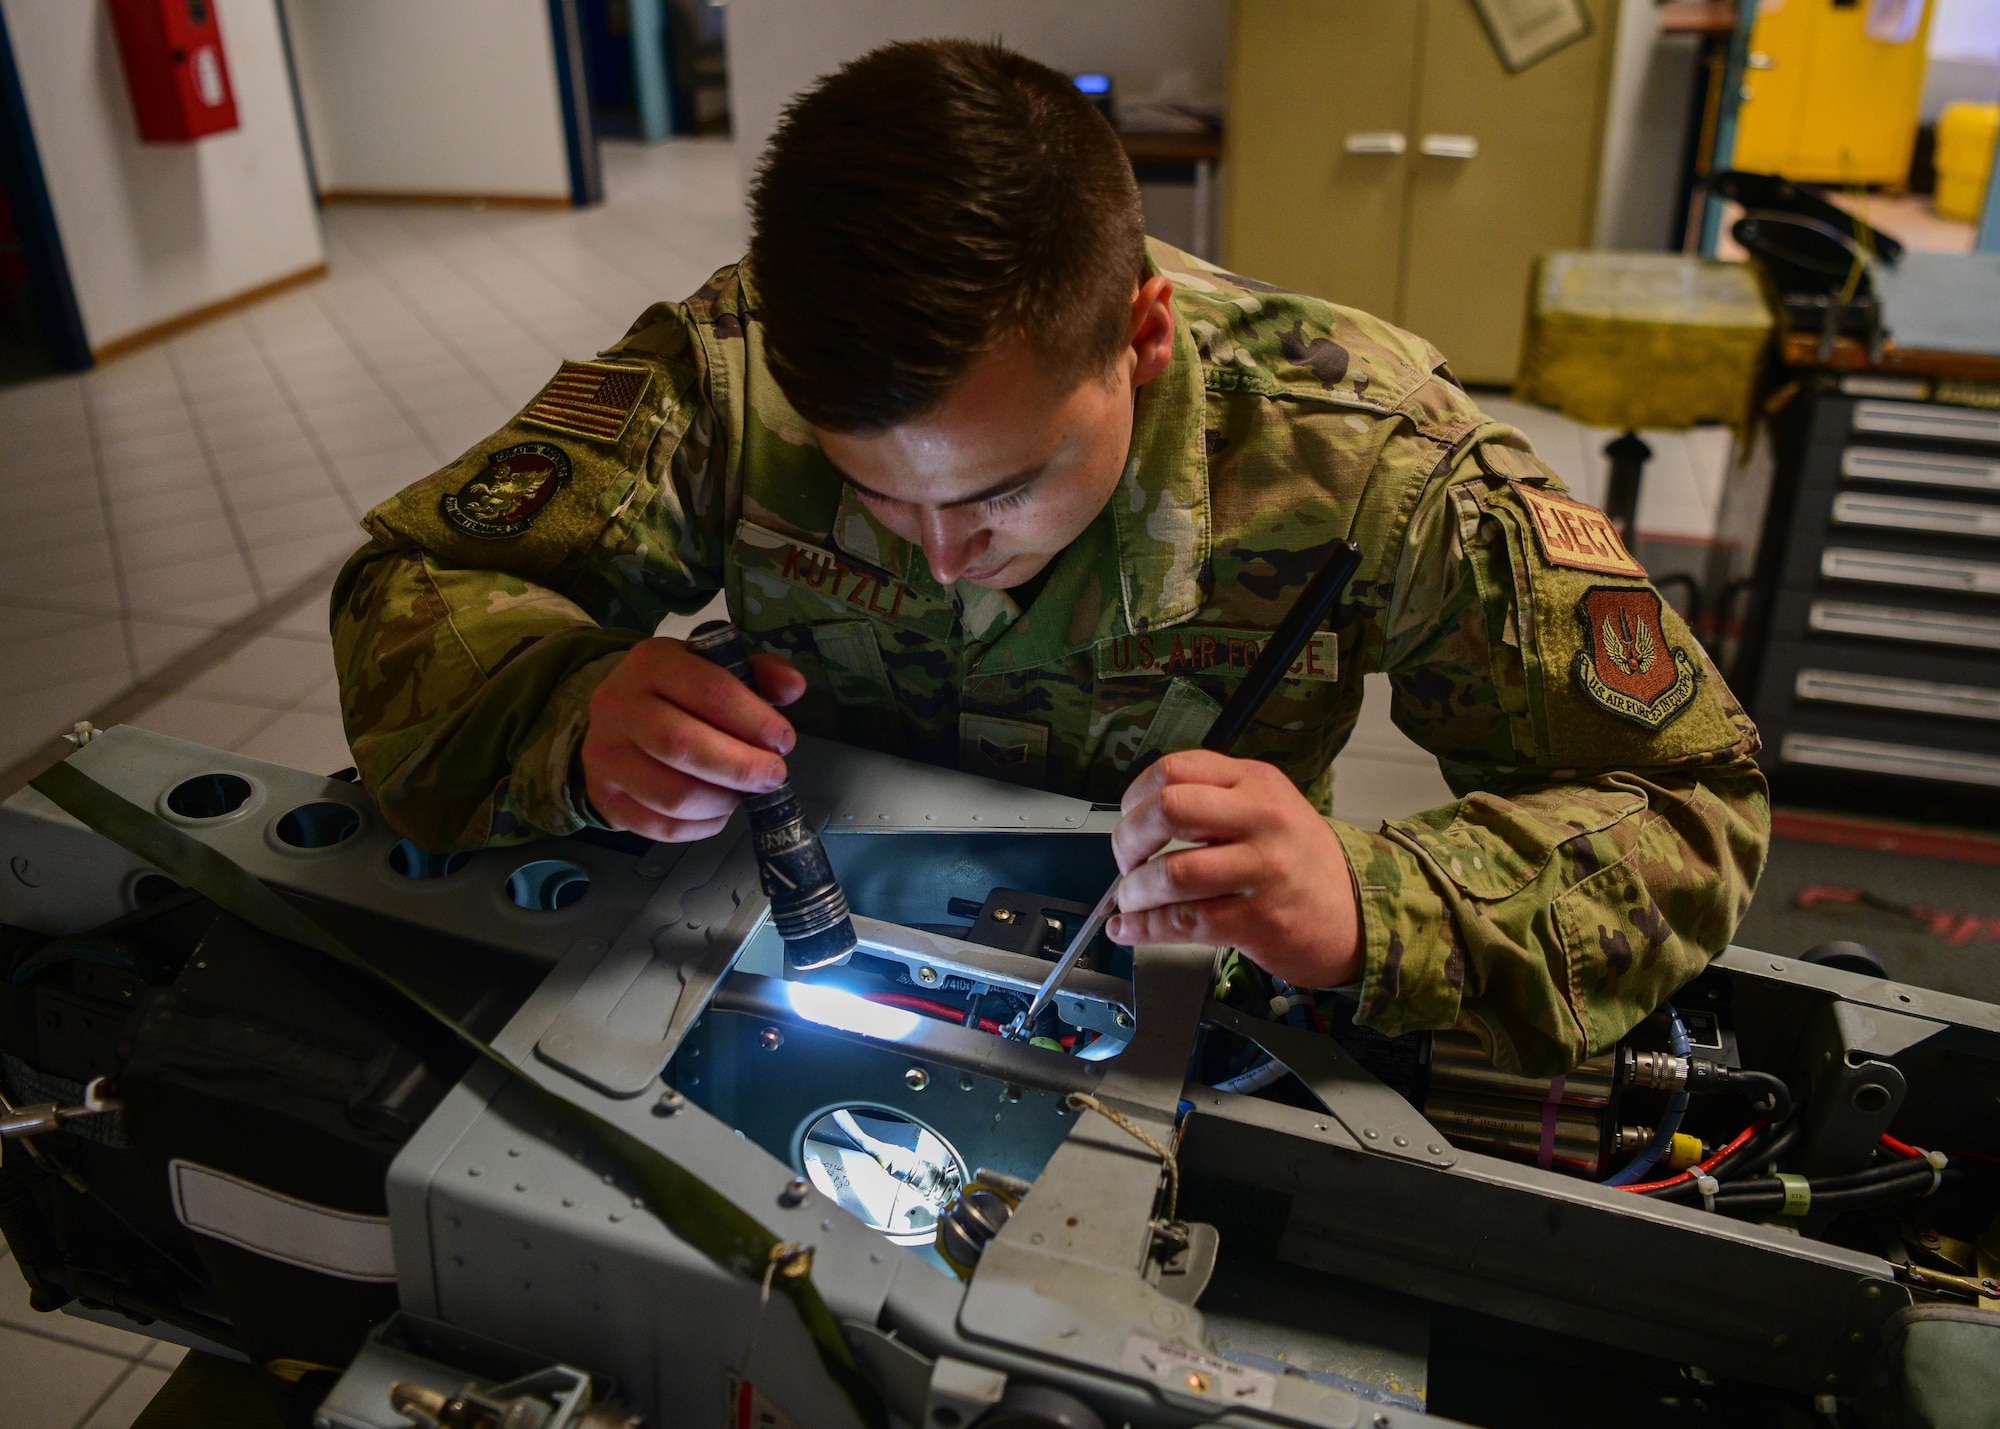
point(1381, 156)
point(1822, 102)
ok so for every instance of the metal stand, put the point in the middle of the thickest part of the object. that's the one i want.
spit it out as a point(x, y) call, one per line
point(1628, 464)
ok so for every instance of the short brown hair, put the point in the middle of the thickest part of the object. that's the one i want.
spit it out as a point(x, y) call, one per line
point(924, 203)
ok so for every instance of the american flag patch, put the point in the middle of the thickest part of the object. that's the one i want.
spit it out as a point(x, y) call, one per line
point(590, 399)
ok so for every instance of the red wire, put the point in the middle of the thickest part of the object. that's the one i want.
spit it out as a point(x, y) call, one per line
point(1889, 1143)
point(910, 1002)
point(1703, 1167)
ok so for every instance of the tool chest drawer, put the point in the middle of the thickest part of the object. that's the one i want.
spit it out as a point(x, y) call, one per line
point(1951, 702)
point(1874, 659)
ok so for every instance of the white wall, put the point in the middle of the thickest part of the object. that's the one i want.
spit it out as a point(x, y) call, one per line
point(777, 47)
point(1645, 124)
point(155, 231)
point(1966, 29)
point(1964, 55)
point(431, 96)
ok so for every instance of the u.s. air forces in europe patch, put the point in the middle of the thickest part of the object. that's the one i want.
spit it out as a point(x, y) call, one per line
point(1626, 664)
point(509, 491)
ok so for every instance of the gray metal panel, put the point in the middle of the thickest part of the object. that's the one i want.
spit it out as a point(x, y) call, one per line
point(638, 997)
point(1551, 1250)
point(89, 881)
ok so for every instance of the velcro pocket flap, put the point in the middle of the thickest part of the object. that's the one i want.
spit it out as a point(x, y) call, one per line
point(1492, 847)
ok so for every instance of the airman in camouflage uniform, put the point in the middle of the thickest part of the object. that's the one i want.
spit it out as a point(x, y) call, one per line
point(1611, 824)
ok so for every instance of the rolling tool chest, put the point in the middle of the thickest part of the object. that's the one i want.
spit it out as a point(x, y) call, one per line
point(1879, 657)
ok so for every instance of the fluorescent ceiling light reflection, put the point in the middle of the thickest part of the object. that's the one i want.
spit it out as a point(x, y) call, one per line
point(843, 1011)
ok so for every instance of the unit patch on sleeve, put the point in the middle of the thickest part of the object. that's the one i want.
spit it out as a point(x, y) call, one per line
point(511, 490)
point(1575, 535)
point(595, 400)
point(1626, 664)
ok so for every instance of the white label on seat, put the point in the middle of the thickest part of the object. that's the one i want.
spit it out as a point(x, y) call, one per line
point(280, 1227)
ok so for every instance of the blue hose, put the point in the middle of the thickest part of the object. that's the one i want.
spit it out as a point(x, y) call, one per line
point(1635, 1171)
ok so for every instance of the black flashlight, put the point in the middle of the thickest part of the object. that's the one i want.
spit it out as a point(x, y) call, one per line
point(807, 905)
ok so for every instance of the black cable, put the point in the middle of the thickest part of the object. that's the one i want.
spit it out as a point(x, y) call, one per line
point(1852, 1198)
point(1852, 1180)
point(1781, 1094)
point(1758, 1151)
point(1858, 1199)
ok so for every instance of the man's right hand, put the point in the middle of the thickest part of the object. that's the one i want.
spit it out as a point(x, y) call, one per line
point(675, 741)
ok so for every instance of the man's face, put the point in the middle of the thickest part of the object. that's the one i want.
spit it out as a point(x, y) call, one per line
point(998, 479)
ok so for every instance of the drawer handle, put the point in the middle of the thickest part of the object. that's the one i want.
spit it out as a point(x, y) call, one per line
point(1847, 687)
point(1874, 756)
point(1888, 622)
point(1450, 146)
point(1374, 141)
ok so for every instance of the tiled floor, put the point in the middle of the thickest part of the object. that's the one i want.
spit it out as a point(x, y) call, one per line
point(154, 503)
point(60, 1372)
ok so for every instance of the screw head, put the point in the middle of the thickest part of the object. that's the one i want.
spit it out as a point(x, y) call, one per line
point(1004, 915)
point(927, 975)
point(916, 1079)
point(770, 1039)
point(795, 1192)
point(1120, 1016)
point(670, 1102)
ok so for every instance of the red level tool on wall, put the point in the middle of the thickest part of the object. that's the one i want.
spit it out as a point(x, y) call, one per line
point(175, 68)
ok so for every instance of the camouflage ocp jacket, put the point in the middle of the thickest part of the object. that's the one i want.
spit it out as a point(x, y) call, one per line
point(1611, 824)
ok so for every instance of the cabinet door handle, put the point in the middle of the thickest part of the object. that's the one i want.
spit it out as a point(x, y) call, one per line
point(1449, 146)
point(1374, 141)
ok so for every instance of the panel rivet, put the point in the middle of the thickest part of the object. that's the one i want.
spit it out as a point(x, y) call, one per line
point(770, 1039)
point(1371, 1133)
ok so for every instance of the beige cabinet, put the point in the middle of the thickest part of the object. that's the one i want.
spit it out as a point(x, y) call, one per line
point(1381, 156)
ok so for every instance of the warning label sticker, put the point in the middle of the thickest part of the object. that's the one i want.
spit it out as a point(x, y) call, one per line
point(1191, 1372)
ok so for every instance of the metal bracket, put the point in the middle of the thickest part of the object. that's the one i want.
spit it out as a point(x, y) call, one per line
point(1378, 1119)
point(633, 1007)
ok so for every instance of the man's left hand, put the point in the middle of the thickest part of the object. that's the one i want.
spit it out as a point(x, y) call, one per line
point(1271, 878)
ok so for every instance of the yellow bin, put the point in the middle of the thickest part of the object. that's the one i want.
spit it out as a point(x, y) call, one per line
point(1965, 135)
point(1644, 339)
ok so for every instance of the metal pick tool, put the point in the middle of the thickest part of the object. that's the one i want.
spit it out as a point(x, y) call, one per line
point(1307, 614)
point(1092, 926)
